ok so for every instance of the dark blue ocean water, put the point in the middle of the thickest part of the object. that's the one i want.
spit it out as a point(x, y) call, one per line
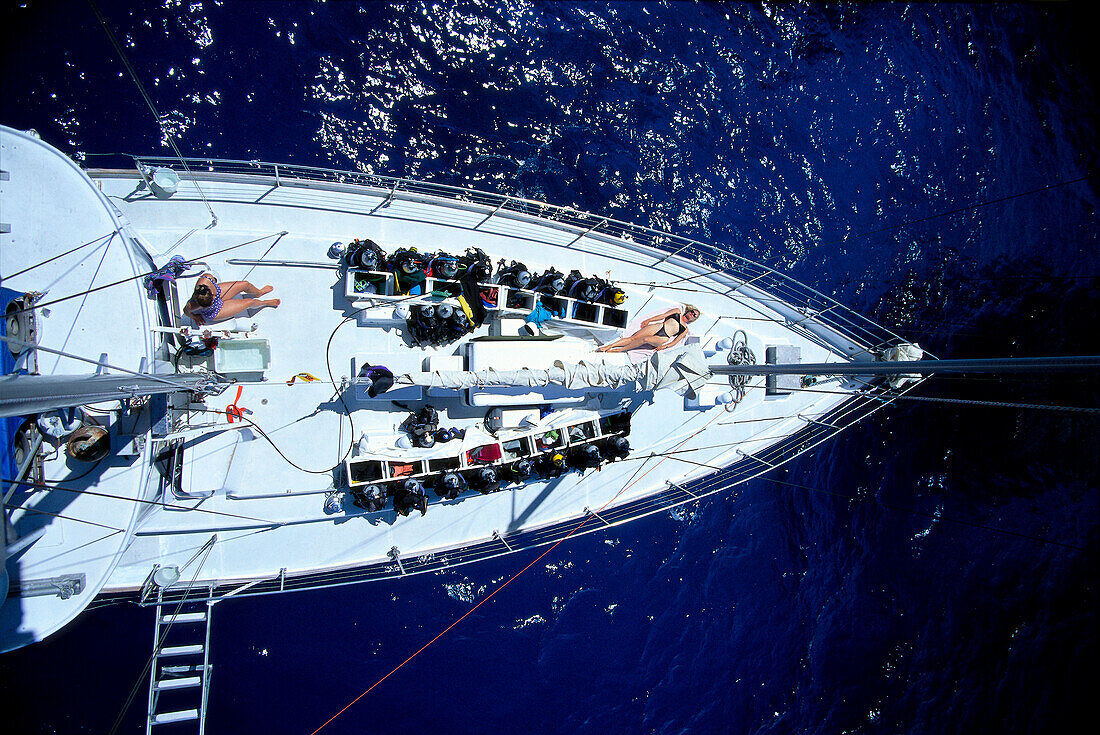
point(932, 570)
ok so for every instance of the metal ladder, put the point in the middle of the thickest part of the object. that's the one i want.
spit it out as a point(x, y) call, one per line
point(180, 670)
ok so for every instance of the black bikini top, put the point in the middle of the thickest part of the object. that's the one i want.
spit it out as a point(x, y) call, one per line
point(679, 324)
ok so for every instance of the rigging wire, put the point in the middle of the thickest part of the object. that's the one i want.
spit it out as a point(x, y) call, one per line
point(62, 255)
point(9, 506)
point(956, 401)
point(515, 576)
point(892, 506)
point(269, 248)
point(143, 275)
point(149, 101)
point(162, 637)
point(141, 501)
point(277, 235)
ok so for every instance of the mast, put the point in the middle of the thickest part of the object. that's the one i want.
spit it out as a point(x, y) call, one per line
point(26, 394)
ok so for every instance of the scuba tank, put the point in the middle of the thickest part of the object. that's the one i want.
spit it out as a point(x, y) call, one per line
point(455, 323)
point(408, 268)
point(421, 323)
point(515, 275)
point(372, 498)
point(581, 288)
point(612, 295)
point(551, 464)
point(365, 255)
point(405, 260)
point(434, 325)
point(520, 470)
point(424, 325)
point(442, 265)
point(422, 426)
point(334, 503)
point(484, 479)
point(571, 280)
point(551, 282)
point(477, 264)
point(584, 457)
point(449, 485)
point(615, 448)
point(410, 496)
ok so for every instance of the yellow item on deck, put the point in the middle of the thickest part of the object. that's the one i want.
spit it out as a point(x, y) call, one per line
point(466, 308)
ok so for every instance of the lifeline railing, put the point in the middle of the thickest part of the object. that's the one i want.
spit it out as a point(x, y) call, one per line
point(817, 430)
point(811, 303)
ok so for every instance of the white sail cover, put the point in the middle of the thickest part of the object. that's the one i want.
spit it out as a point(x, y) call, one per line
point(904, 352)
point(675, 369)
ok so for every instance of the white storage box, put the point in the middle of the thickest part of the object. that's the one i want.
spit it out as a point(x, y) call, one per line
point(242, 356)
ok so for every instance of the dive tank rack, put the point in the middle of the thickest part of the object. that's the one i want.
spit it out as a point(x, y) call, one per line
point(401, 482)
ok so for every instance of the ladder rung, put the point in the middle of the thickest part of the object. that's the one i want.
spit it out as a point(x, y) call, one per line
point(184, 682)
point(181, 650)
point(178, 669)
point(183, 715)
point(193, 617)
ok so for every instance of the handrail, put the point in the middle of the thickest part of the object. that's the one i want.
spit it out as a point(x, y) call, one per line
point(750, 466)
point(821, 307)
point(769, 285)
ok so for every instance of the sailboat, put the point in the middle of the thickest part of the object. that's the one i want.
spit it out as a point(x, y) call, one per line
point(415, 377)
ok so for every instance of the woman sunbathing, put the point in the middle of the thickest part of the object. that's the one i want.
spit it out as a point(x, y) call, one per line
point(211, 302)
point(659, 332)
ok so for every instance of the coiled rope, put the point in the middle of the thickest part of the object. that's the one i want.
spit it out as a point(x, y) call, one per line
point(740, 354)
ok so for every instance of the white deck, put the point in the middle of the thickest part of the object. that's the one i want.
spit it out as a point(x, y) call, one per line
point(51, 207)
point(266, 505)
point(286, 526)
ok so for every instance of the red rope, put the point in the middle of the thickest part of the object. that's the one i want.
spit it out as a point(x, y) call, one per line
point(233, 411)
point(511, 579)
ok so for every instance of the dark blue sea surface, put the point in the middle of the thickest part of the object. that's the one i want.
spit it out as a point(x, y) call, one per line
point(931, 570)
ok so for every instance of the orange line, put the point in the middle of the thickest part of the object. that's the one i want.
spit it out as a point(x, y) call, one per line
point(510, 580)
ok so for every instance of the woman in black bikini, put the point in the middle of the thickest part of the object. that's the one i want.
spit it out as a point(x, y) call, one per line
point(659, 332)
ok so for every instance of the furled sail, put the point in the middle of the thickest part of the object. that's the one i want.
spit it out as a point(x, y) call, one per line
point(674, 369)
point(904, 352)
